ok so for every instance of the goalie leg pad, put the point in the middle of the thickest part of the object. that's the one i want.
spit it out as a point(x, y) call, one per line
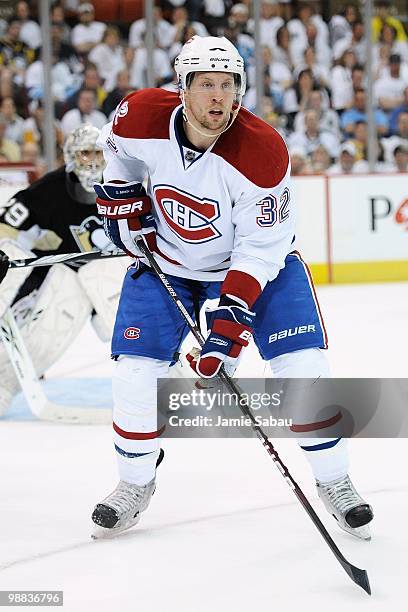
point(9, 289)
point(60, 311)
point(15, 278)
point(9, 384)
point(50, 318)
point(102, 283)
point(135, 416)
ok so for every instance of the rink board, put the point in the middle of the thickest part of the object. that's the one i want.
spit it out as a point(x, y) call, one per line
point(349, 228)
point(354, 228)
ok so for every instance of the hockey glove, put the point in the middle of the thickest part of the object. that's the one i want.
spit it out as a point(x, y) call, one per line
point(4, 265)
point(230, 326)
point(126, 211)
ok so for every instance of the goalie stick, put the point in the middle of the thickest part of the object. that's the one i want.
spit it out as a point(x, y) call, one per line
point(359, 576)
point(34, 394)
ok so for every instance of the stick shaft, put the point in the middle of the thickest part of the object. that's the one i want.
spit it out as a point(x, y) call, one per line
point(50, 260)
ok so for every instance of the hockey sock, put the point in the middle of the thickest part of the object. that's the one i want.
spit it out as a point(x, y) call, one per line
point(135, 417)
point(328, 457)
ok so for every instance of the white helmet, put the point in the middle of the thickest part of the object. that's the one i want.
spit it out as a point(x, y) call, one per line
point(210, 54)
point(81, 157)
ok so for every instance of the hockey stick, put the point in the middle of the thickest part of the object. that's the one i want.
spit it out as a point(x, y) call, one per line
point(359, 576)
point(34, 394)
point(50, 260)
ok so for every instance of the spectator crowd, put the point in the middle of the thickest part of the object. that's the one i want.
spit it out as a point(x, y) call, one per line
point(314, 75)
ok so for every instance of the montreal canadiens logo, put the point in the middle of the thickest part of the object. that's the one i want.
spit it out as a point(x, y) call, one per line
point(190, 218)
point(132, 333)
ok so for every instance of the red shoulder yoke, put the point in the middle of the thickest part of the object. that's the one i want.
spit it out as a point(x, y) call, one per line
point(145, 114)
point(255, 149)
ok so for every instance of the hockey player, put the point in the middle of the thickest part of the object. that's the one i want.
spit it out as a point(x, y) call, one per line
point(219, 191)
point(57, 214)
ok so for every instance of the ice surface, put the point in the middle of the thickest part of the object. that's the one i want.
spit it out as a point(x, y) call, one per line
point(224, 531)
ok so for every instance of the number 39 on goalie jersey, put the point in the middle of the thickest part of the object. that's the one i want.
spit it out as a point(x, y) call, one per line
point(229, 207)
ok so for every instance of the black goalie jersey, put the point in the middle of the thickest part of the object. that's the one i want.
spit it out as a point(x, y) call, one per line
point(48, 207)
point(50, 217)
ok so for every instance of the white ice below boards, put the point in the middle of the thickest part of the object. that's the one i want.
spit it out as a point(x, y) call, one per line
point(223, 531)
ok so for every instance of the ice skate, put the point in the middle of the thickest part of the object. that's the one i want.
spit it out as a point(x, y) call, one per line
point(122, 508)
point(348, 508)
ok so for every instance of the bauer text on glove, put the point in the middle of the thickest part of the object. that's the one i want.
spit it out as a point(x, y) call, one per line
point(126, 211)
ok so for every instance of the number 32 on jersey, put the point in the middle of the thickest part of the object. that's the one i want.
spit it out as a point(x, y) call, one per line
point(272, 211)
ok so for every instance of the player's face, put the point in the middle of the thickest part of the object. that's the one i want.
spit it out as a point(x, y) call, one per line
point(209, 99)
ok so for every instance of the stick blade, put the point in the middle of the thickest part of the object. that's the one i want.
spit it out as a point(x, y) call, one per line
point(359, 576)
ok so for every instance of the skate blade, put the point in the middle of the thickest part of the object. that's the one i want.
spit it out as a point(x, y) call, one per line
point(363, 533)
point(102, 533)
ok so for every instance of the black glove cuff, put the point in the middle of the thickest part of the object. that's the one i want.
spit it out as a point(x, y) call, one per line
point(226, 300)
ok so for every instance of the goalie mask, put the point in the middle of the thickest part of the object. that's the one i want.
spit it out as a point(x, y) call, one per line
point(84, 157)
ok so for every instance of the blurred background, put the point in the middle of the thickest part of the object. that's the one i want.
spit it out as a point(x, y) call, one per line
point(330, 76)
point(313, 58)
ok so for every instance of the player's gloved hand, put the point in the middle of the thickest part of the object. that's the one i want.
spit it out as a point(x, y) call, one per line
point(126, 210)
point(4, 264)
point(230, 325)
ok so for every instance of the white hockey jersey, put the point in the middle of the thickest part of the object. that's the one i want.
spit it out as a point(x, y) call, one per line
point(227, 208)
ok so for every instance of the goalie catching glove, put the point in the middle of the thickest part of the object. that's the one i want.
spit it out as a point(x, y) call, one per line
point(126, 211)
point(230, 325)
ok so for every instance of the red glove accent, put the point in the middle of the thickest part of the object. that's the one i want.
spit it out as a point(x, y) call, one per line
point(192, 360)
point(238, 333)
point(230, 329)
point(241, 285)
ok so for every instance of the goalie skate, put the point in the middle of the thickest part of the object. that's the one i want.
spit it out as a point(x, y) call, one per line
point(348, 508)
